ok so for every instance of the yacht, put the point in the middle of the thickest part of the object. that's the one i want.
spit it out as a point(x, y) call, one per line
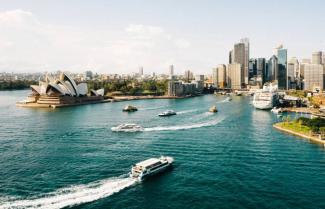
point(129, 108)
point(167, 113)
point(266, 98)
point(150, 167)
point(127, 127)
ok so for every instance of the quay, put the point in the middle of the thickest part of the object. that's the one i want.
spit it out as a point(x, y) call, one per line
point(310, 137)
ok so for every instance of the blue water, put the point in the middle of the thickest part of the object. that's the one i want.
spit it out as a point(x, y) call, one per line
point(55, 158)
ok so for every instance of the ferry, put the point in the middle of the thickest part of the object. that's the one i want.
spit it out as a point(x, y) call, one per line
point(127, 127)
point(213, 109)
point(130, 108)
point(266, 98)
point(150, 167)
point(167, 113)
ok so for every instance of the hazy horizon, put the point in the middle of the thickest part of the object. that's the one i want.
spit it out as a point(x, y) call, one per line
point(120, 36)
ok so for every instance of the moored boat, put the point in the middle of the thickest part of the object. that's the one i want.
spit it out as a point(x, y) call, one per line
point(150, 167)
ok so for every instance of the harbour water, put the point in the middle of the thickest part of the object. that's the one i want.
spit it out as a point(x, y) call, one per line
point(69, 157)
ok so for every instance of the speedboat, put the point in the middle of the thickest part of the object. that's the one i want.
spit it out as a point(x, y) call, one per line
point(150, 167)
point(167, 113)
point(127, 127)
point(228, 99)
point(213, 109)
point(129, 108)
point(277, 110)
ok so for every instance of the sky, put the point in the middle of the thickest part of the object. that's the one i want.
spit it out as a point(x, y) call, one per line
point(119, 36)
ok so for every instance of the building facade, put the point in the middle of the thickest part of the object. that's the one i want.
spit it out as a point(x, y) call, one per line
point(313, 77)
point(234, 76)
point(282, 69)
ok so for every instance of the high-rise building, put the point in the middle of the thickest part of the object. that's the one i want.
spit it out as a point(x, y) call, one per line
point(231, 56)
point(215, 77)
point(252, 68)
point(261, 74)
point(313, 77)
point(272, 69)
point(234, 76)
point(199, 77)
point(222, 76)
point(282, 69)
point(317, 58)
point(141, 71)
point(171, 71)
point(240, 58)
point(245, 41)
point(188, 76)
point(88, 75)
point(293, 73)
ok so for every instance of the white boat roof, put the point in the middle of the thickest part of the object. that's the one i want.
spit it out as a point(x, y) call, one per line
point(148, 162)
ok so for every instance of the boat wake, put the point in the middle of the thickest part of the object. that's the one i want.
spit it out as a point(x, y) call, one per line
point(73, 195)
point(185, 127)
point(186, 111)
point(223, 101)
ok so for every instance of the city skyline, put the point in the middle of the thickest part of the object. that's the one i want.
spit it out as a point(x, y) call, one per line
point(120, 37)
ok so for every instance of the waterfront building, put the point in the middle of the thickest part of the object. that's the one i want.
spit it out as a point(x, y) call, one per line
point(239, 58)
point(234, 76)
point(245, 41)
point(222, 76)
point(282, 68)
point(313, 77)
point(175, 88)
point(317, 58)
point(61, 91)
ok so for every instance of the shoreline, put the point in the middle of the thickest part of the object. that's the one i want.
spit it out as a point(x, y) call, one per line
point(129, 98)
point(308, 137)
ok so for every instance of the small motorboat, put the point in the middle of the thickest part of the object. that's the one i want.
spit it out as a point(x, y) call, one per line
point(150, 167)
point(127, 127)
point(213, 109)
point(130, 108)
point(167, 113)
point(277, 110)
point(228, 99)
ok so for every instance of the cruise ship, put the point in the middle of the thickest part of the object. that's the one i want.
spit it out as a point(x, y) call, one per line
point(266, 98)
point(150, 167)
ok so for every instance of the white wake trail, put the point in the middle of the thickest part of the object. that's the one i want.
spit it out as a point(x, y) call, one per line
point(73, 195)
point(185, 127)
point(186, 111)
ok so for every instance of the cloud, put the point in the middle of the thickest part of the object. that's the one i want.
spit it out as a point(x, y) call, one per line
point(28, 45)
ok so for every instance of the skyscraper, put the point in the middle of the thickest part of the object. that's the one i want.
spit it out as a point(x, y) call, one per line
point(272, 69)
point(317, 58)
point(282, 69)
point(239, 58)
point(293, 73)
point(171, 71)
point(245, 41)
point(188, 75)
point(252, 68)
point(234, 76)
point(261, 74)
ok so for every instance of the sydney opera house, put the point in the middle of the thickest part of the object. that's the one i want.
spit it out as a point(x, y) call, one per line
point(61, 92)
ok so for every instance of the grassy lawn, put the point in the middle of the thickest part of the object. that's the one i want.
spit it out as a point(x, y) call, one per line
point(296, 127)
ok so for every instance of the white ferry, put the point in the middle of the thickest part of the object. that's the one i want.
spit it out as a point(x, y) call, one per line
point(266, 98)
point(150, 167)
point(167, 113)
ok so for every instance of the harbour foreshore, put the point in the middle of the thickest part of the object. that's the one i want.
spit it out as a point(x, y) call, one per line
point(301, 110)
point(310, 137)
